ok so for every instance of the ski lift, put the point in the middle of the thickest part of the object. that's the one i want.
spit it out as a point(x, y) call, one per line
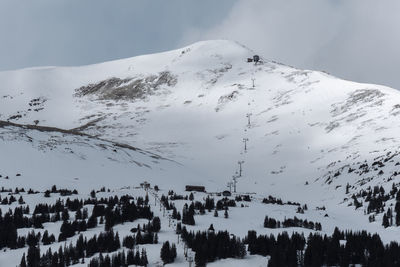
point(256, 58)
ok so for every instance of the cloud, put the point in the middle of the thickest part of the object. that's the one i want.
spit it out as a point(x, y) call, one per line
point(357, 40)
point(76, 32)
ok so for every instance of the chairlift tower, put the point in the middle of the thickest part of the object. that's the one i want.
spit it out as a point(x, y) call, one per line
point(248, 115)
point(185, 250)
point(190, 259)
point(230, 184)
point(245, 140)
point(240, 167)
point(256, 59)
point(234, 179)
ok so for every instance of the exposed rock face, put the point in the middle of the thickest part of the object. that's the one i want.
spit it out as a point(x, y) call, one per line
point(129, 88)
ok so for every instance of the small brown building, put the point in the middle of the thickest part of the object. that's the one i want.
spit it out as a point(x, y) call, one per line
point(197, 188)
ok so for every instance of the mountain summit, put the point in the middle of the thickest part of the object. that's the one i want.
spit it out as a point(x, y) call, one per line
point(194, 113)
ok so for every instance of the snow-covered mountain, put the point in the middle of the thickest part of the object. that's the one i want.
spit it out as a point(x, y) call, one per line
point(185, 111)
point(189, 117)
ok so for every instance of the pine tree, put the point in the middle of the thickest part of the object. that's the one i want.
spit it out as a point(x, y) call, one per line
point(23, 262)
point(92, 222)
point(200, 257)
point(109, 218)
point(174, 212)
point(385, 221)
point(156, 224)
point(143, 258)
point(165, 253)
point(347, 188)
point(33, 257)
point(45, 238)
point(85, 213)
point(173, 252)
point(397, 210)
point(137, 257)
point(155, 241)
point(65, 215)
point(47, 193)
point(168, 253)
point(130, 257)
point(78, 214)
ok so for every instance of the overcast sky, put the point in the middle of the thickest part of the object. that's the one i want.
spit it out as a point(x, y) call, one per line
point(353, 39)
point(76, 32)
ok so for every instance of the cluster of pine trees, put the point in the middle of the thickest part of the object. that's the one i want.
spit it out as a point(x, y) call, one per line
point(210, 246)
point(111, 211)
point(168, 205)
point(243, 198)
point(145, 236)
point(62, 192)
point(224, 203)
point(33, 239)
point(283, 249)
point(278, 201)
point(340, 249)
point(120, 260)
point(168, 253)
point(173, 196)
point(188, 214)
point(105, 242)
point(10, 200)
point(11, 221)
point(377, 198)
point(188, 211)
point(288, 222)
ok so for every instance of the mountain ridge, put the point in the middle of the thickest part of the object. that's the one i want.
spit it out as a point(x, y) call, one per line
point(299, 117)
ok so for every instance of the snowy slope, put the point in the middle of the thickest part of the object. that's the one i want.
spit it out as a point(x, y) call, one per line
point(35, 158)
point(189, 106)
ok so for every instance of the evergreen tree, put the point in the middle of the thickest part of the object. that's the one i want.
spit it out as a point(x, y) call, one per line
point(165, 253)
point(155, 240)
point(33, 257)
point(23, 261)
point(385, 221)
point(397, 210)
point(143, 258)
point(173, 252)
point(156, 224)
point(65, 215)
point(78, 215)
point(92, 222)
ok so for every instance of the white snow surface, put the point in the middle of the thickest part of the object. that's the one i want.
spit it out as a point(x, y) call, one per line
point(191, 112)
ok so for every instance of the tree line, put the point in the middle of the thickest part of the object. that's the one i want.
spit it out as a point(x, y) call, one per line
point(288, 222)
point(210, 246)
point(343, 248)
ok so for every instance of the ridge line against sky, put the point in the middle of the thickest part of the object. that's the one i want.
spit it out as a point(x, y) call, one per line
point(356, 40)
